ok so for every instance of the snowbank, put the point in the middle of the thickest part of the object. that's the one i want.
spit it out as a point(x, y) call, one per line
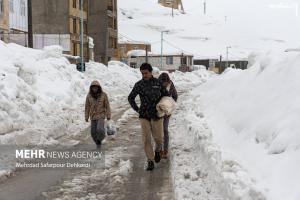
point(253, 115)
point(42, 94)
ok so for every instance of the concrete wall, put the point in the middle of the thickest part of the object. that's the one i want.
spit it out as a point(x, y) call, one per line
point(101, 29)
point(4, 19)
point(50, 16)
point(97, 25)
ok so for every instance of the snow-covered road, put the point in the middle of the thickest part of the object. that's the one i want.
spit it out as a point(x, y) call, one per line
point(184, 176)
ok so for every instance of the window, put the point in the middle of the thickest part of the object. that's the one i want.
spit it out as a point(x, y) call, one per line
point(112, 43)
point(74, 26)
point(115, 24)
point(74, 49)
point(183, 61)
point(11, 5)
point(169, 60)
point(133, 65)
point(23, 8)
point(74, 3)
point(85, 27)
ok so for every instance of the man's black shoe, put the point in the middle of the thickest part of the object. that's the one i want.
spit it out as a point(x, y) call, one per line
point(157, 157)
point(150, 166)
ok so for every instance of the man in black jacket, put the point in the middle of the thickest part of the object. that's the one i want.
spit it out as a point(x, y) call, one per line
point(151, 91)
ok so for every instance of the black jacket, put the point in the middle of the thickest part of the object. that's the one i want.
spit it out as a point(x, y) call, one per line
point(150, 91)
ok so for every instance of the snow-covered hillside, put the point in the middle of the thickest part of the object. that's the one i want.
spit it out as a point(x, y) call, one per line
point(246, 26)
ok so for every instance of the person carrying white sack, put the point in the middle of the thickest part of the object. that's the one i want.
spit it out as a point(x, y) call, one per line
point(165, 108)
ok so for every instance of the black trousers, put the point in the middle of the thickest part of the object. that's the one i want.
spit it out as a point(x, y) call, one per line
point(97, 130)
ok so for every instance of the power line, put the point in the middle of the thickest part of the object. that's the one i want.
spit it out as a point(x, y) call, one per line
point(179, 48)
point(132, 40)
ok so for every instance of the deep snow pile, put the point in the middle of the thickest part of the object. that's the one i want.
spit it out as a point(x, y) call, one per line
point(42, 95)
point(253, 115)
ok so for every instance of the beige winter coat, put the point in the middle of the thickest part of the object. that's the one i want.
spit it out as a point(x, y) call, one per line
point(97, 108)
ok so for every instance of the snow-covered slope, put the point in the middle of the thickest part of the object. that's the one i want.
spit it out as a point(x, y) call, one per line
point(247, 26)
point(253, 115)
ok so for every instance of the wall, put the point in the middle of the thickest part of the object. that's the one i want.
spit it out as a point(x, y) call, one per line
point(124, 48)
point(17, 19)
point(50, 16)
point(102, 25)
point(156, 62)
point(4, 16)
point(97, 25)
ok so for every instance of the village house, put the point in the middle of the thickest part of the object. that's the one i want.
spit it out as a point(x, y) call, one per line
point(237, 64)
point(126, 46)
point(208, 63)
point(170, 62)
point(171, 3)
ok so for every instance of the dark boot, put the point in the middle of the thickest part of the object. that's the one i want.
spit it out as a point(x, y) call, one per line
point(150, 166)
point(98, 144)
point(157, 157)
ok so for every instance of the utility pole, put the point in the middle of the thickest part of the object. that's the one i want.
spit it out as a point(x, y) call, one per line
point(227, 52)
point(173, 8)
point(81, 35)
point(204, 4)
point(29, 19)
point(182, 6)
point(161, 50)
point(220, 64)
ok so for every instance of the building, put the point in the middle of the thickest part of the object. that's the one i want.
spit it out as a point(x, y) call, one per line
point(208, 63)
point(125, 47)
point(4, 19)
point(171, 3)
point(238, 64)
point(57, 22)
point(170, 62)
point(18, 19)
point(103, 28)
